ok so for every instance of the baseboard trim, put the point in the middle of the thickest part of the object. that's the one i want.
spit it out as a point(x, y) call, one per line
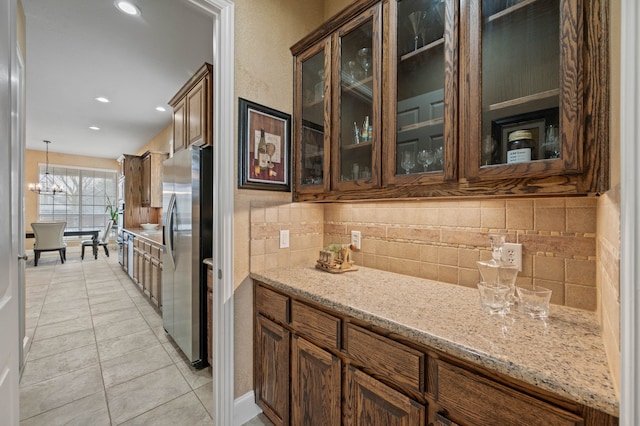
point(244, 409)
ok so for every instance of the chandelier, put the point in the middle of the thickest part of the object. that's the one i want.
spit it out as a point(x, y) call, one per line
point(47, 185)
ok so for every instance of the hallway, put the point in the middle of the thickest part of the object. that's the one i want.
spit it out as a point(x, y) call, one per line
point(99, 353)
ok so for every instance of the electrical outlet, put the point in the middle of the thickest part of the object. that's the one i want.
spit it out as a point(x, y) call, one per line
point(284, 238)
point(512, 254)
point(355, 239)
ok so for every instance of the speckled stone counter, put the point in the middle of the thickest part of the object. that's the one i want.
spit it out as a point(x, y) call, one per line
point(153, 236)
point(563, 354)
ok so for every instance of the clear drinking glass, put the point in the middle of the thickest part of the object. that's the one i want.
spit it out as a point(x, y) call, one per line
point(408, 161)
point(494, 297)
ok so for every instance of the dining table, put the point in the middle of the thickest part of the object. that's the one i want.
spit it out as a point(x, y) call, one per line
point(93, 233)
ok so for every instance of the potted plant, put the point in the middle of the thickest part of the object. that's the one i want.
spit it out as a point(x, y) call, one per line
point(112, 210)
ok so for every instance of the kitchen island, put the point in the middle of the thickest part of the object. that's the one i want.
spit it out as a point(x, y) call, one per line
point(563, 356)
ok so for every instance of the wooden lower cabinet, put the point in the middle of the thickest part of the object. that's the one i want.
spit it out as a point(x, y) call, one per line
point(156, 281)
point(315, 366)
point(272, 370)
point(315, 385)
point(370, 402)
point(147, 268)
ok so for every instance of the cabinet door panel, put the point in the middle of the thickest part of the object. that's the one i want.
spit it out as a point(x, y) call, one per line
point(196, 108)
point(525, 75)
point(369, 402)
point(271, 374)
point(473, 400)
point(315, 385)
point(421, 88)
point(312, 125)
point(179, 131)
point(356, 116)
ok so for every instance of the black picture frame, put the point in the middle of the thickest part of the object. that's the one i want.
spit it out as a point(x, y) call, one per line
point(253, 117)
point(536, 122)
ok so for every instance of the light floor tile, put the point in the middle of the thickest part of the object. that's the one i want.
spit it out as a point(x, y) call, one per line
point(112, 306)
point(91, 410)
point(130, 399)
point(53, 393)
point(64, 327)
point(55, 365)
point(59, 316)
point(115, 316)
point(46, 347)
point(205, 395)
point(184, 410)
point(113, 348)
point(134, 364)
point(120, 328)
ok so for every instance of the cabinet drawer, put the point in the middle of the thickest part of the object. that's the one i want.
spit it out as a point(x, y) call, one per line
point(472, 399)
point(315, 324)
point(386, 357)
point(272, 305)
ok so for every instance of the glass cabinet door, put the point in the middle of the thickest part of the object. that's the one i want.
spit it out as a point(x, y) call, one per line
point(528, 97)
point(312, 121)
point(356, 125)
point(422, 72)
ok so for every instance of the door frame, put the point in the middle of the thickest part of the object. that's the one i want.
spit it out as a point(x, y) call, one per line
point(222, 13)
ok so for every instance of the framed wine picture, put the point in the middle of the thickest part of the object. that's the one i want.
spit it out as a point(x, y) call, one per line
point(264, 147)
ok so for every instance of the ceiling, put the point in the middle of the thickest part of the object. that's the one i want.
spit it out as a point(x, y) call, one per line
point(78, 50)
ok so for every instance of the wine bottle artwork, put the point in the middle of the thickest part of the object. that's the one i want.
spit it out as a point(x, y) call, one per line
point(263, 157)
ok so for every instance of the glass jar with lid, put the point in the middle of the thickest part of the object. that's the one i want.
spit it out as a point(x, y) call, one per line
point(520, 147)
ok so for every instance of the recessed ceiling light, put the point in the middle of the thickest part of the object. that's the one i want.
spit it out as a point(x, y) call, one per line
point(94, 128)
point(161, 109)
point(128, 8)
point(102, 99)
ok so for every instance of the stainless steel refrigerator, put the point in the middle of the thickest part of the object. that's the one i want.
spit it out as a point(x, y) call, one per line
point(187, 219)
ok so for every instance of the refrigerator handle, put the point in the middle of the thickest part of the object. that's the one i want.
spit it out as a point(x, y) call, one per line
point(168, 228)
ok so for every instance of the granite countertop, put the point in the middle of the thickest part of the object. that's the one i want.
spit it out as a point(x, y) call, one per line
point(563, 354)
point(208, 261)
point(153, 236)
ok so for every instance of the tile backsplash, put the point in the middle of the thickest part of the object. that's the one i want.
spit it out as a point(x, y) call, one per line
point(442, 240)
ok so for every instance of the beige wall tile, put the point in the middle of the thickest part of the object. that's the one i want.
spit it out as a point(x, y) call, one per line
point(368, 231)
point(272, 245)
point(545, 203)
point(335, 229)
point(413, 234)
point(429, 253)
point(548, 268)
point(382, 262)
point(257, 215)
point(581, 219)
point(549, 219)
point(405, 266)
point(271, 214)
point(469, 216)
point(404, 251)
point(448, 256)
point(257, 247)
point(257, 263)
point(429, 271)
point(557, 290)
point(448, 274)
point(493, 218)
point(465, 237)
point(467, 258)
point(449, 216)
point(581, 297)
point(295, 213)
point(590, 202)
point(519, 215)
point(284, 213)
point(427, 216)
point(581, 272)
point(566, 246)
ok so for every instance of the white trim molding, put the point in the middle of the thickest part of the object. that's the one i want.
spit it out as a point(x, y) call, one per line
point(245, 409)
point(629, 213)
point(222, 352)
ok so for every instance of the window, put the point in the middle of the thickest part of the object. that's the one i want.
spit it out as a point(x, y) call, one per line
point(83, 205)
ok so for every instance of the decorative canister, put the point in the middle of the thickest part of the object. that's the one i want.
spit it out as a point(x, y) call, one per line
point(520, 147)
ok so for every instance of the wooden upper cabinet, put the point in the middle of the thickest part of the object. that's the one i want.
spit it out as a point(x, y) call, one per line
point(421, 88)
point(179, 130)
point(192, 111)
point(530, 86)
point(448, 85)
point(151, 192)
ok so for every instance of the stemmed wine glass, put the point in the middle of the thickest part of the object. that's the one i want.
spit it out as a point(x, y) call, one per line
point(271, 149)
point(438, 156)
point(425, 158)
point(364, 58)
point(417, 21)
point(408, 161)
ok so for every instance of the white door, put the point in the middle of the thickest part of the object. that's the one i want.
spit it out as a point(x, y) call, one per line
point(9, 220)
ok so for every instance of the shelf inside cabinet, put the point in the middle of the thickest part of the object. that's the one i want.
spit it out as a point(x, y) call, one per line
point(314, 103)
point(423, 49)
point(421, 124)
point(356, 145)
point(541, 97)
point(360, 88)
point(509, 10)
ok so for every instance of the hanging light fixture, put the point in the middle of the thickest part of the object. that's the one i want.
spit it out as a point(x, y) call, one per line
point(47, 185)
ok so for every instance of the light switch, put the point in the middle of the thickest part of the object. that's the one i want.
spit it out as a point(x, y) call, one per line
point(284, 238)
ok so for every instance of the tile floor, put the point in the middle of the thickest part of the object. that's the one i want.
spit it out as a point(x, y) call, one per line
point(99, 354)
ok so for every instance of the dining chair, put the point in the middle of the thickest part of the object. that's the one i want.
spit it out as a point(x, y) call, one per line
point(102, 241)
point(49, 237)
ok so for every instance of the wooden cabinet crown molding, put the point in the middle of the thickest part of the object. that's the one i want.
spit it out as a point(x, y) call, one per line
point(199, 75)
